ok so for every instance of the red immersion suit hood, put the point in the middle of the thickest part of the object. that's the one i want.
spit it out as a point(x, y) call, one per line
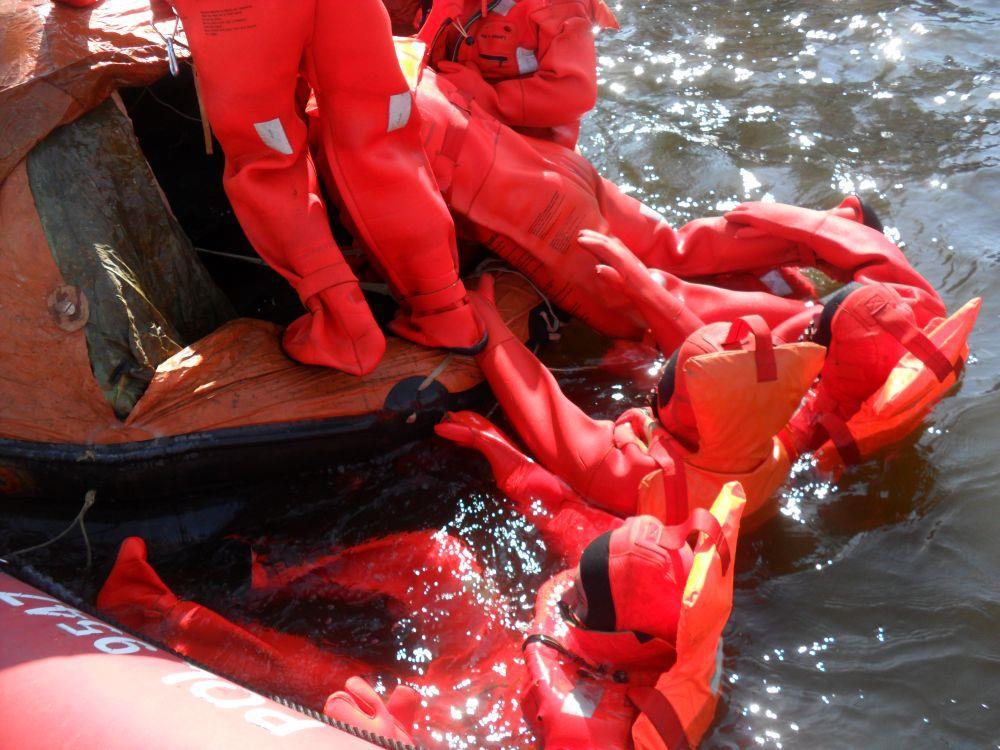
point(673, 402)
point(632, 582)
point(729, 390)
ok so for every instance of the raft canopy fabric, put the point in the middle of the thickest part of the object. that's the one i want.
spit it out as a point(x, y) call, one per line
point(58, 62)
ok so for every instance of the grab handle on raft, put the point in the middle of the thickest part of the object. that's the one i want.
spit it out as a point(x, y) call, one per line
point(754, 325)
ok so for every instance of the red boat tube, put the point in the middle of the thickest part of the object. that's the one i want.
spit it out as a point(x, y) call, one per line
point(71, 680)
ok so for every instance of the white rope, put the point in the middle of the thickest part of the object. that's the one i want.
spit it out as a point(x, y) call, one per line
point(88, 501)
point(233, 256)
point(491, 265)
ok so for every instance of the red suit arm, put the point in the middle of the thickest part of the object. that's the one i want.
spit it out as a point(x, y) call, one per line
point(843, 249)
point(578, 449)
point(564, 520)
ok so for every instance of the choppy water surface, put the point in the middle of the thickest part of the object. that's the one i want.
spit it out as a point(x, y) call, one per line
point(867, 614)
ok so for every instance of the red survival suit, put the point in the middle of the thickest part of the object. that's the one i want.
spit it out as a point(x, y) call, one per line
point(471, 653)
point(136, 596)
point(732, 390)
point(529, 63)
point(647, 676)
point(624, 650)
point(250, 57)
point(891, 352)
point(527, 201)
point(441, 604)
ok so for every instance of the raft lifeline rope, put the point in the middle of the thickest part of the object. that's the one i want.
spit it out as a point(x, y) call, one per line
point(44, 583)
point(549, 317)
point(88, 502)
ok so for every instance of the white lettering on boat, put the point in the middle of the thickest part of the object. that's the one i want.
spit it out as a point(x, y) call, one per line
point(118, 643)
point(227, 695)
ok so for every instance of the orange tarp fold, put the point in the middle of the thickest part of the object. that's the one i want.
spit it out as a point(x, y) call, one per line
point(58, 62)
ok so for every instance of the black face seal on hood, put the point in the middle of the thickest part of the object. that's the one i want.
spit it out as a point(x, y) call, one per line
point(595, 578)
point(668, 379)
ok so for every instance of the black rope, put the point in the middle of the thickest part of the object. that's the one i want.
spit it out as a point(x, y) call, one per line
point(33, 577)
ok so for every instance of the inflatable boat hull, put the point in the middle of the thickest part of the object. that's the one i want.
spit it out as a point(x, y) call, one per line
point(70, 680)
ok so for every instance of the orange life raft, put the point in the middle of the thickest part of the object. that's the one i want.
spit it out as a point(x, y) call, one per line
point(123, 368)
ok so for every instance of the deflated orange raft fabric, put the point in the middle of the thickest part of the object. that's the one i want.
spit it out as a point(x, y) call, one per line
point(57, 62)
point(236, 376)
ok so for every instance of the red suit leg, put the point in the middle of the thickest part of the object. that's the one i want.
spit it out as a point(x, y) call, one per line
point(269, 660)
point(371, 139)
point(844, 249)
point(524, 199)
point(248, 55)
point(704, 247)
point(578, 449)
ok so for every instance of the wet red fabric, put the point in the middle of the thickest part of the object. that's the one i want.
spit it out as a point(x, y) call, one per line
point(589, 689)
point(438, 590)
point(565, 521)
point(434, 583)
point(909, 393)
point(578, 705)
point(529, 63)
point(135, 596)
point(250, 55)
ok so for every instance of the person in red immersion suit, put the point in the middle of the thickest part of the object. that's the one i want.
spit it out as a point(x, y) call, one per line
point(623, 651)
point(717, 419)
point(250, 56)
point(726, 393)
point(527, 200)
point(137, 597)
point(443, 608)
point(531, 64)
point(891, 354)
point(476, 659)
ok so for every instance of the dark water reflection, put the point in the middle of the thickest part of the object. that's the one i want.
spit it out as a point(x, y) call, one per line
point(867, 614)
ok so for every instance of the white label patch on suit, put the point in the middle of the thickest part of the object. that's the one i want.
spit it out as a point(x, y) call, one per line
point(583, 700)
point(774, 281)
point(400, 106)
point(503, 7)
point(273, 135)
point(527, 62)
